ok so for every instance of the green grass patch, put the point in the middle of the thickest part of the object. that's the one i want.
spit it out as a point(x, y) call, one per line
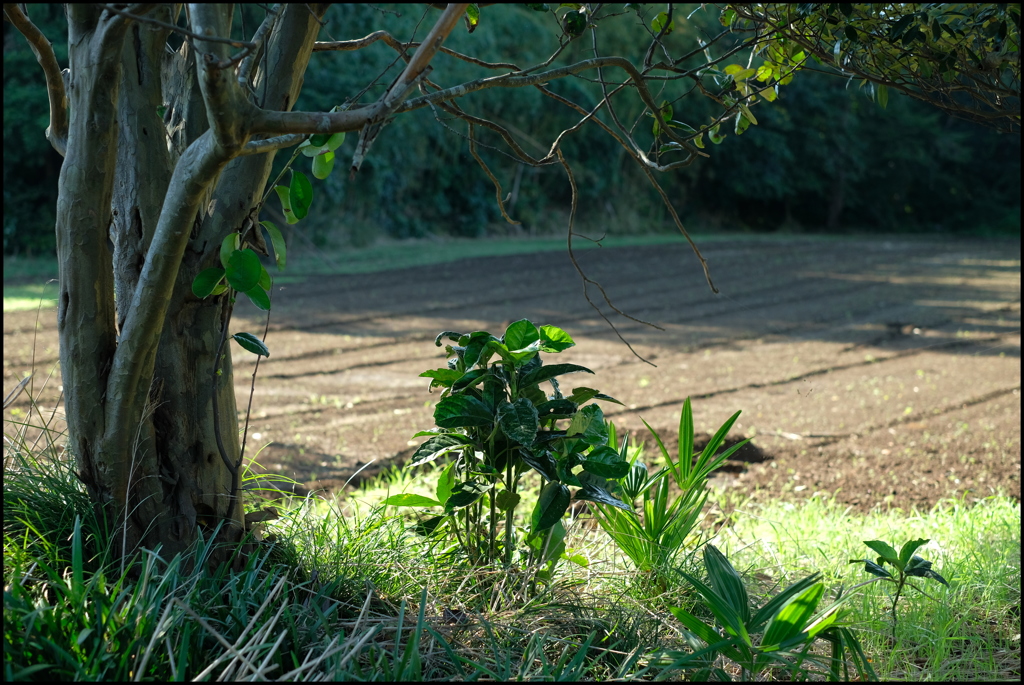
point(350, 592)
point(18, 298)
point(968, 631)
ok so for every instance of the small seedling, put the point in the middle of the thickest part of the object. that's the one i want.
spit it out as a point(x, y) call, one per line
point(907, 565)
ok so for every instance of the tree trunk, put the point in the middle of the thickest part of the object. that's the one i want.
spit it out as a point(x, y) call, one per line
point(153, 450)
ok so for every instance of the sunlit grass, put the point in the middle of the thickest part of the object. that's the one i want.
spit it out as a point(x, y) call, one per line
point(19, 298)
point(969, 631)
point(346, 590)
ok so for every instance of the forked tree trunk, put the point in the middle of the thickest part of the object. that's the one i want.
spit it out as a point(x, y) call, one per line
point(148, 452)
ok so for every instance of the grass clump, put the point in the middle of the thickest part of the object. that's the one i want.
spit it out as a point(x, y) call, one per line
point(348, 590)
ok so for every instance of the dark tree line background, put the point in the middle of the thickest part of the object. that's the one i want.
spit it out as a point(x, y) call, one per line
point(824, 157)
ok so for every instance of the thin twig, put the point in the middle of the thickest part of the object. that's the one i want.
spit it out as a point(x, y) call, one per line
point(252, 391)
point(177, 29)
point(589, 281)
point(259, 39)
point(494, 180)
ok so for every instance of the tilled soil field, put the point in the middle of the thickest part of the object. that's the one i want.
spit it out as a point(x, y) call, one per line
point(881, 371)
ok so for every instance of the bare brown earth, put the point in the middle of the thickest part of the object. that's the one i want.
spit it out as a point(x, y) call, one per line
point(884, 371)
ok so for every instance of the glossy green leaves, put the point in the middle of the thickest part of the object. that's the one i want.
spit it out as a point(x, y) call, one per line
point(241, 270)
point(519, 421)
point(251, 343)
point(321, 148)
point(462, 411)
point(501, 412)
point(662, 25)
point(551, 506)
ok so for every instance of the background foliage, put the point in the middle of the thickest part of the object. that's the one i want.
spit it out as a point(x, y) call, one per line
point(824, 156)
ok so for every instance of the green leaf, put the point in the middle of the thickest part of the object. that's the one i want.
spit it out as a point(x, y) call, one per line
point(766, 612)
point(462, 411)
point(244, 269)
point(300, 194)
point(727, 582)
point(473, 16)
point(206, 281)
point(748, 114)
point(575, 23)
point(928, 573)
point(696, 626)
point(259, 297)
point(319, 139)
point(542, 463)
point(410, 500)
point(883, 96)
point(437, 446)
point(427, 527)
point(722, 608)
point(661, 22)
point(557, 409)
point(885, 551)
point(519, 421)
point(475, 345)
point(739, 72)
point(728, 17)
point(446, 482)
point(666, 113)
point(265, 281)
point(714, 136)
point(554, 339)
point(544, 373)
point(588, 424)
point(908, 549)
point(443, 377)
point(335, 141)
point(286, 204)
point(742, 124)
point(250, 342)
point(464, 494)
point(793, 617)
point(228, 246)
point(606, 462)
point(551, 506)
point(469, 379)
point(591, 492)
point(520, 334)
point(506, 500)
point(764, 73)
point(577, 559)
point(872, 568)
point(583, 394)
point(277, 240)
point(769, 94)
point(323, 164)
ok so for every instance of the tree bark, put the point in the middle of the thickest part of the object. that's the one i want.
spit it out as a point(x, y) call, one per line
point(146, 196)
point(85, 313)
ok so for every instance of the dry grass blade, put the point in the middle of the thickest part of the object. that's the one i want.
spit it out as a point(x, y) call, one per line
point(16, 392)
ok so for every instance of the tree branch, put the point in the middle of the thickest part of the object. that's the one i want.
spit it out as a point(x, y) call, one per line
point(227, 108)
point(415, 70)
point(355, 119)
point(258, 40)
point(57, 131)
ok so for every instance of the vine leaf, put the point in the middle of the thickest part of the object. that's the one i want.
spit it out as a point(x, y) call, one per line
point(250, 342)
